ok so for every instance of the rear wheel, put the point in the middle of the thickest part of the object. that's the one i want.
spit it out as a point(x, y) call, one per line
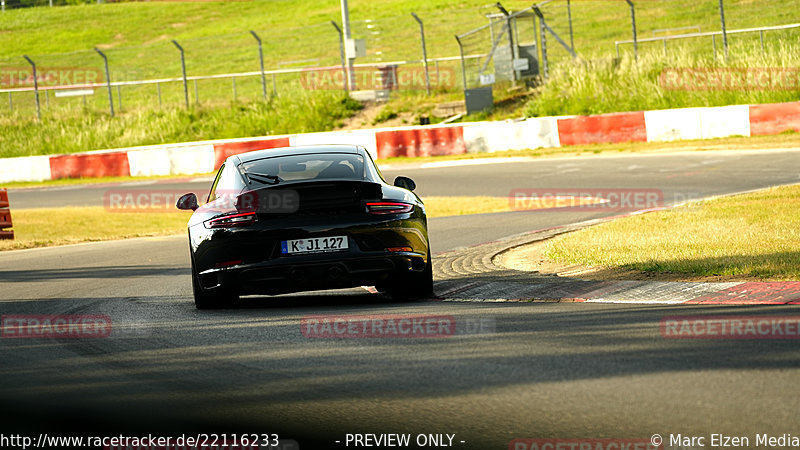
point(218, 298)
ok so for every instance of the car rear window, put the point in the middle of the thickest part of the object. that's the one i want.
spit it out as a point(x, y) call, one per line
point(323, 166)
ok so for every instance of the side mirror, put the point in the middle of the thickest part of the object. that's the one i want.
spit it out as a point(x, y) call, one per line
point(405, 183)
point(187, 202)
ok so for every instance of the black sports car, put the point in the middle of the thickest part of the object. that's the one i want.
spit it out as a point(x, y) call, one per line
point(306, 218)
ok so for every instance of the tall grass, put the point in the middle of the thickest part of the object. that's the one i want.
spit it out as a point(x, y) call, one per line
point(68, 133)
point(624, 84)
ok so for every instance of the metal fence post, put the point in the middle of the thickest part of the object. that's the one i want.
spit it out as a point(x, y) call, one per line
point(543, 38)
point(633, 26)
point(341, 54)
point(463, 64)
point(569, 16)
point(158, 88)
point(108, 80)
point(761, 36)
point(35, 87)
point(183, 71)
point(724, 29)
point(424, 54)
point(261, 62)
point(351, 81)
point(511, 44)
point(233, 80)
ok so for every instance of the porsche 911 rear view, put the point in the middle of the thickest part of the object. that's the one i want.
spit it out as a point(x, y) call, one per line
point(306, 218)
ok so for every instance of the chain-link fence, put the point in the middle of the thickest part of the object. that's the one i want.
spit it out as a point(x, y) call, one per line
point(228, 68)
point(224, 68)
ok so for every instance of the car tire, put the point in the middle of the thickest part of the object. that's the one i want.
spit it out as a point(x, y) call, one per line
point(220, 298)
point(414, 284)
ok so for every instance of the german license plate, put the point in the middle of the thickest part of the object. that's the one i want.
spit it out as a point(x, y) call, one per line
point(314, 245)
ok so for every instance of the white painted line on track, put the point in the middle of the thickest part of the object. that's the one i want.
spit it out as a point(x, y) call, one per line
point(637, 302)
point(138, 183)
point(473, 162)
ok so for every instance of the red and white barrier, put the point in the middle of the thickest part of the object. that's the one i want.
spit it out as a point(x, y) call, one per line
point(774, 118)
point(603, 128)
point(421, 141)
point(538, 132)
point(364, 138)
point(172, 160)
point(26, 168)
point(697, 123)
point(430, 140)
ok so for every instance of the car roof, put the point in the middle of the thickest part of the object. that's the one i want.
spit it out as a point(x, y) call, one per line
point(297, 150)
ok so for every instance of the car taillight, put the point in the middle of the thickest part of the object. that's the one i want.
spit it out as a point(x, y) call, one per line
point(389, 207)
point(233, 220)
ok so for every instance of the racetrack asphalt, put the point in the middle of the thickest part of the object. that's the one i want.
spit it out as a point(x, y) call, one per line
point(538, 370)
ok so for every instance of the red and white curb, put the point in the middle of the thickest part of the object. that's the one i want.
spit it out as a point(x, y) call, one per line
point(628, 292)
point(430, 140)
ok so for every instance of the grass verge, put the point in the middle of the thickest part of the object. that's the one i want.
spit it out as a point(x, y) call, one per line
point(45, 227)
point(750, 236)
point(301, 113)
point(656, 81)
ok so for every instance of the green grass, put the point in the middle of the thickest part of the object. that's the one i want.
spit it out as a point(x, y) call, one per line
point(745, 236)
point(609, 85)
point(215, 34)
point(136, 37)
point(74, 133)
point(35, 227)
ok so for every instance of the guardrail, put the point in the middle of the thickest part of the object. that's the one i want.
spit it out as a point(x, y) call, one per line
point(443, 78)
point(5, 216)
point(713, 35)
point(434, 61)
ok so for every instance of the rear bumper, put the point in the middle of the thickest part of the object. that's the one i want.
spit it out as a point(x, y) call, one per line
point(288, 275)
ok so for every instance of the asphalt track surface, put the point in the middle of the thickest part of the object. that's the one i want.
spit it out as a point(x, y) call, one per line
point(537, 370)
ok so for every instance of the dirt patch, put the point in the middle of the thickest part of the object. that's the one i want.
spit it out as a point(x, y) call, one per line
point(531, 258)
point(365, 118)
point(156, 39)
